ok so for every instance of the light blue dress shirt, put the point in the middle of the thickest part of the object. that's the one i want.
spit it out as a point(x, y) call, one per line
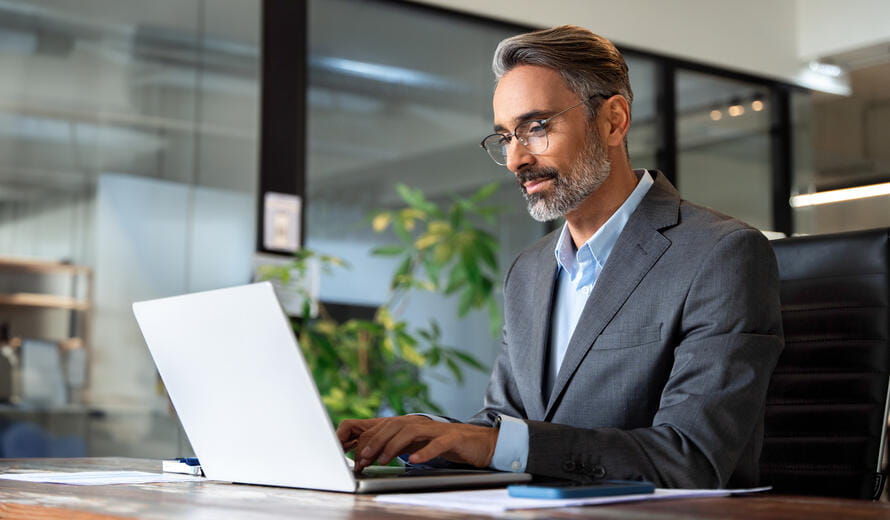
point(578, 273)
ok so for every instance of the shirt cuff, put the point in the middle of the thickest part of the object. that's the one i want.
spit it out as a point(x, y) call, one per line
point(437, 418)
point(511, 451)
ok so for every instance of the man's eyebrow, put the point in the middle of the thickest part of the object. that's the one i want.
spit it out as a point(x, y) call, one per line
point(531, 114)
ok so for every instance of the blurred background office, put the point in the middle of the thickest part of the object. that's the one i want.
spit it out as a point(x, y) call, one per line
point(131, 138)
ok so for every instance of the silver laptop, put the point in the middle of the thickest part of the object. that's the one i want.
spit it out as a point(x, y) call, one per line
point(247, 401)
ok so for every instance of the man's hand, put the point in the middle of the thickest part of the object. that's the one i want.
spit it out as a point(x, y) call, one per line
point(385, 438)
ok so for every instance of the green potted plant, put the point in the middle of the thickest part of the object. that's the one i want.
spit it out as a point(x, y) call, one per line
point(367, 367)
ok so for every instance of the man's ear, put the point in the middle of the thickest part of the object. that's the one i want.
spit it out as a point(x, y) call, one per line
point(615, 117)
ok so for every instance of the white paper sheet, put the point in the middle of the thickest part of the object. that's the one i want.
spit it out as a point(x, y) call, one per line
point(99, 478)
point(498, 501)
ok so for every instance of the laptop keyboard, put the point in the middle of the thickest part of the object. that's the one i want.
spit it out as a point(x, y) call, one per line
point(376, 472)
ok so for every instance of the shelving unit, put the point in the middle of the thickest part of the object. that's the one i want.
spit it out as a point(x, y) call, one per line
point(78, 300)
point(48, 301)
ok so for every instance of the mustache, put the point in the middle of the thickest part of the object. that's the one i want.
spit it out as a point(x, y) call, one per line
point(533, 175)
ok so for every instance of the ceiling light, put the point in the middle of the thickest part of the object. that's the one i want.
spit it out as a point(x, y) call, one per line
point(384, 73)
point(757, 105)
point(845, 194)
point(736, 110)
point(826, 69)
point(716, 115)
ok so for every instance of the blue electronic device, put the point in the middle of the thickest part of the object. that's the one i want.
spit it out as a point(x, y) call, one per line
point(600, 488)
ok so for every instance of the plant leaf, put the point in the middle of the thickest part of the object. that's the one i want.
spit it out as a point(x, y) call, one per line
point(432, 270)
point(413, 356)
point(381, 221)
point(402, 275)
point(415, 198)
point(465, 303)
point(456, 280)
point(410, 196)
point(471, 268)
point(442, 253)
point(484, 192)
point(455, 370)
point(425, 241)
point(469, 360)
point(401, 231)
point(388, 250)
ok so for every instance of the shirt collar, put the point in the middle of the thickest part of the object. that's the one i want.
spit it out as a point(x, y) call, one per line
point(603, 241)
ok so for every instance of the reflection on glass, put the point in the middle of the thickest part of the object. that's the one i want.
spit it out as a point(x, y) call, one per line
point(128, 144)
point(642, 139)
point(401, 94)
point(841, 142)
point(723, 155)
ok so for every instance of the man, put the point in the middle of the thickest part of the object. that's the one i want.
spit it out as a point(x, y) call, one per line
point(639, 339)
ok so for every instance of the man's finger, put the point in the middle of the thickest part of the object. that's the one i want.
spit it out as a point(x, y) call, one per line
point(434, 448)
point(372, 440)
point(349, 431)
point(363, 437)
point(346, 429)
point(406, 438)
point(355, 427)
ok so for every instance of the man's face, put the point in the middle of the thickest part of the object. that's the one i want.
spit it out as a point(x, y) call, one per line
point(575, 163)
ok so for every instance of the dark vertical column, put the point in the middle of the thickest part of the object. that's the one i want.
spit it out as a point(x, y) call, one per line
point(781, 153)
point(666, 119)
point(283, 110)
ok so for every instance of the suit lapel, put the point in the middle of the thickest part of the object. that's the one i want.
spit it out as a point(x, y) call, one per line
point(533, 355)
point(638, 247)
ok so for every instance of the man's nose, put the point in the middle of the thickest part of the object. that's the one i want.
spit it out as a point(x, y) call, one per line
point(518, 156)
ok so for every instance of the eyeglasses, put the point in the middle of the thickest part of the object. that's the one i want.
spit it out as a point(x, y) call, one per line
point(532, 134)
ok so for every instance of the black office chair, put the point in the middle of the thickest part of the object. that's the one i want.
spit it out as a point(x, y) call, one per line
point(826, 410)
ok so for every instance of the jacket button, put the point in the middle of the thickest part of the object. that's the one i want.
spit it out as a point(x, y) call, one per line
point(568, 466)
point(598, 472)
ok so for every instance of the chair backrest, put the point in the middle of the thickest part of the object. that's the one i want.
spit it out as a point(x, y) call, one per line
point(826, 410)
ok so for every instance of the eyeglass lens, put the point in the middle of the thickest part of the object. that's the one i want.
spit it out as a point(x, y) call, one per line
point(531, 134)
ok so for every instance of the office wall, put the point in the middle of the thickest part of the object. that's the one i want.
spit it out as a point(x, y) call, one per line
point(758, 36)
point(157, 238)
point(827, 27)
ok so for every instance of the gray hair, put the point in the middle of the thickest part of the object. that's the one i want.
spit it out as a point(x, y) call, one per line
point(588, 63)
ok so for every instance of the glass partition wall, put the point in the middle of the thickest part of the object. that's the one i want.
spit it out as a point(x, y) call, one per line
point(129, 140)
point(723, 146)
point(841, 142)
point(402, 95)
point(642, 140)
point(128, 145)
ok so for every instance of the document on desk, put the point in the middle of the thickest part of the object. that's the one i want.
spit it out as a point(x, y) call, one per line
point(498, 501)
point(100, 478)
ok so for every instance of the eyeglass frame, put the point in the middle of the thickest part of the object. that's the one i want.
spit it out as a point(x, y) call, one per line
point(543, 122)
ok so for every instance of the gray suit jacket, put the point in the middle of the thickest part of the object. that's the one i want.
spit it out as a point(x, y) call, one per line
point(665, 376)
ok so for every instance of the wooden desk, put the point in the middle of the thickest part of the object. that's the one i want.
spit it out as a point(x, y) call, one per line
point(206, 500)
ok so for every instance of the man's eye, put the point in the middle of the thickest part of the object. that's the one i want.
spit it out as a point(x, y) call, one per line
point(535, 128)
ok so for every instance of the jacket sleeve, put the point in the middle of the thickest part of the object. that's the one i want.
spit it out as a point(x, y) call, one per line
point(729, 342)
point(502, 395)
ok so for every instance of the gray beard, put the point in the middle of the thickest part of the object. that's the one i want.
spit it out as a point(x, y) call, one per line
point(567, 191)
